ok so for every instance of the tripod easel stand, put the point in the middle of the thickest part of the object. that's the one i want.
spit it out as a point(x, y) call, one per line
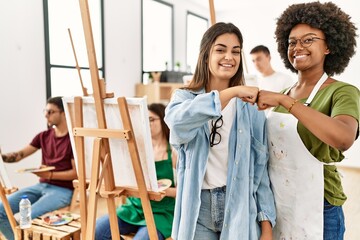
point(6, 188)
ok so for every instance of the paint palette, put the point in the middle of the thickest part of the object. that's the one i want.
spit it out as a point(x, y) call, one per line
point(163, 184)
point(57, 219)
point(34, 170)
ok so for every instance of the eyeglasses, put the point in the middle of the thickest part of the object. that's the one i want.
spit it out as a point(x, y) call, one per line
point(49, 111)
point(305, 41)
point(215, 137)
point(151, 120)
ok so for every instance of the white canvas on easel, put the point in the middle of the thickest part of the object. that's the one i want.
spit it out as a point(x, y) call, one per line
point(4, 178)
point(121, 159)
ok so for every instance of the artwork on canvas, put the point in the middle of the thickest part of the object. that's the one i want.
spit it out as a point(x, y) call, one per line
point(121, 160)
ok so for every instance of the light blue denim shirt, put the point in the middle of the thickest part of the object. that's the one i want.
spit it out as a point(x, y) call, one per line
point(249, 198)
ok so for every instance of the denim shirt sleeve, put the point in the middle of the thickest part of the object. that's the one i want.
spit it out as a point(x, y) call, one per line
point(264, 194)
point(188, 111)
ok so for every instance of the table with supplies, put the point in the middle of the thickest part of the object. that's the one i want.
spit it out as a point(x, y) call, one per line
point(53, 226)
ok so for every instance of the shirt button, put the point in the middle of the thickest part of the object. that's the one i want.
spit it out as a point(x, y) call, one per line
point(239, 146)
point(237, 162)
point(234, 178)
point(240, 131)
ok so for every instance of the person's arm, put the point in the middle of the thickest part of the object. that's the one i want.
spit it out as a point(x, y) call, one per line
point(246, 93)
point(171, 191)
point(19, 155)
point(265, 201)
point(187, 112)
point(338, 132)
point(174, 157)
point(65, 175)
point(266, 231)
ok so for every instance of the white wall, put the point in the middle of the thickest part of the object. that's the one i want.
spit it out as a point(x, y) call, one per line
point(22, 84)
point(122, 46)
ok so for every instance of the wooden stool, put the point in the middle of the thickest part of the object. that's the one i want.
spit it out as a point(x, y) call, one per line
point(42, 231)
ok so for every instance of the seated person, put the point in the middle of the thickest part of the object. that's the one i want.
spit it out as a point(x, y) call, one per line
point(55, 188)
point(131, 218)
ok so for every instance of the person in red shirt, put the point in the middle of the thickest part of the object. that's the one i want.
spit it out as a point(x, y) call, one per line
point(55, 188)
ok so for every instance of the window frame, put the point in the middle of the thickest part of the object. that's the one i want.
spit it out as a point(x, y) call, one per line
point(49, 66)
point(187, 32)
point(143, 72)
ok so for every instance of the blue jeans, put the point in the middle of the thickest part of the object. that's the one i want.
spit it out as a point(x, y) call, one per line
point(103, 231)
point(334, 222)
point(44, 198)
point(211, 215)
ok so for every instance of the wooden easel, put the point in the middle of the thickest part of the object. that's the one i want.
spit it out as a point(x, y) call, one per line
point(4, 190)
point(212, 12)
point(84, 89)
point(5, 202)
point(101, 157)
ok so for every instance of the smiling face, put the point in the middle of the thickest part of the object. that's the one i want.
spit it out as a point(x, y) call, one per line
point(309, 55)
point(224, 58)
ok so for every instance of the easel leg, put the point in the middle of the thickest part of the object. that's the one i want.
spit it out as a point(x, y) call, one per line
point(114, 227)
point(80, 150)
point(90, 234)
point(92, 207)
point(8, 210)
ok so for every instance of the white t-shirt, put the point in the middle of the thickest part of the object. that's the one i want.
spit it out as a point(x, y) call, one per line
point(217, 165)
point(276, 82)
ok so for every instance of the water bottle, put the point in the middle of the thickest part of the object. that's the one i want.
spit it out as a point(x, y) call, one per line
point(25, 212)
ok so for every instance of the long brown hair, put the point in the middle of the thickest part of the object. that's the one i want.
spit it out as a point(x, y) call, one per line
point(202, 72)
point(159, 110)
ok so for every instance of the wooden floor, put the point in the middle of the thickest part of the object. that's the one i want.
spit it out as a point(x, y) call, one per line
point(350, 182)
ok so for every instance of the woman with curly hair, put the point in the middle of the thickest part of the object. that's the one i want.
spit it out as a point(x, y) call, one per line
point(313, 122)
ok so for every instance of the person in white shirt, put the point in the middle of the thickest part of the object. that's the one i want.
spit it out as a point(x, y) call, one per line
point(270, 79)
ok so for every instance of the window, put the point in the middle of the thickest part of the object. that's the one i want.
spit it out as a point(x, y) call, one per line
point(62, 78)
point(196, 26)
point(157, 36)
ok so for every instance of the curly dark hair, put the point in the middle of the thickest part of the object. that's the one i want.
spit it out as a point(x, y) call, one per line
point(340, 32)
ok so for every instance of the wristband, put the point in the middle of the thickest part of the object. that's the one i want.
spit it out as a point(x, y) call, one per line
point(291, 106)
